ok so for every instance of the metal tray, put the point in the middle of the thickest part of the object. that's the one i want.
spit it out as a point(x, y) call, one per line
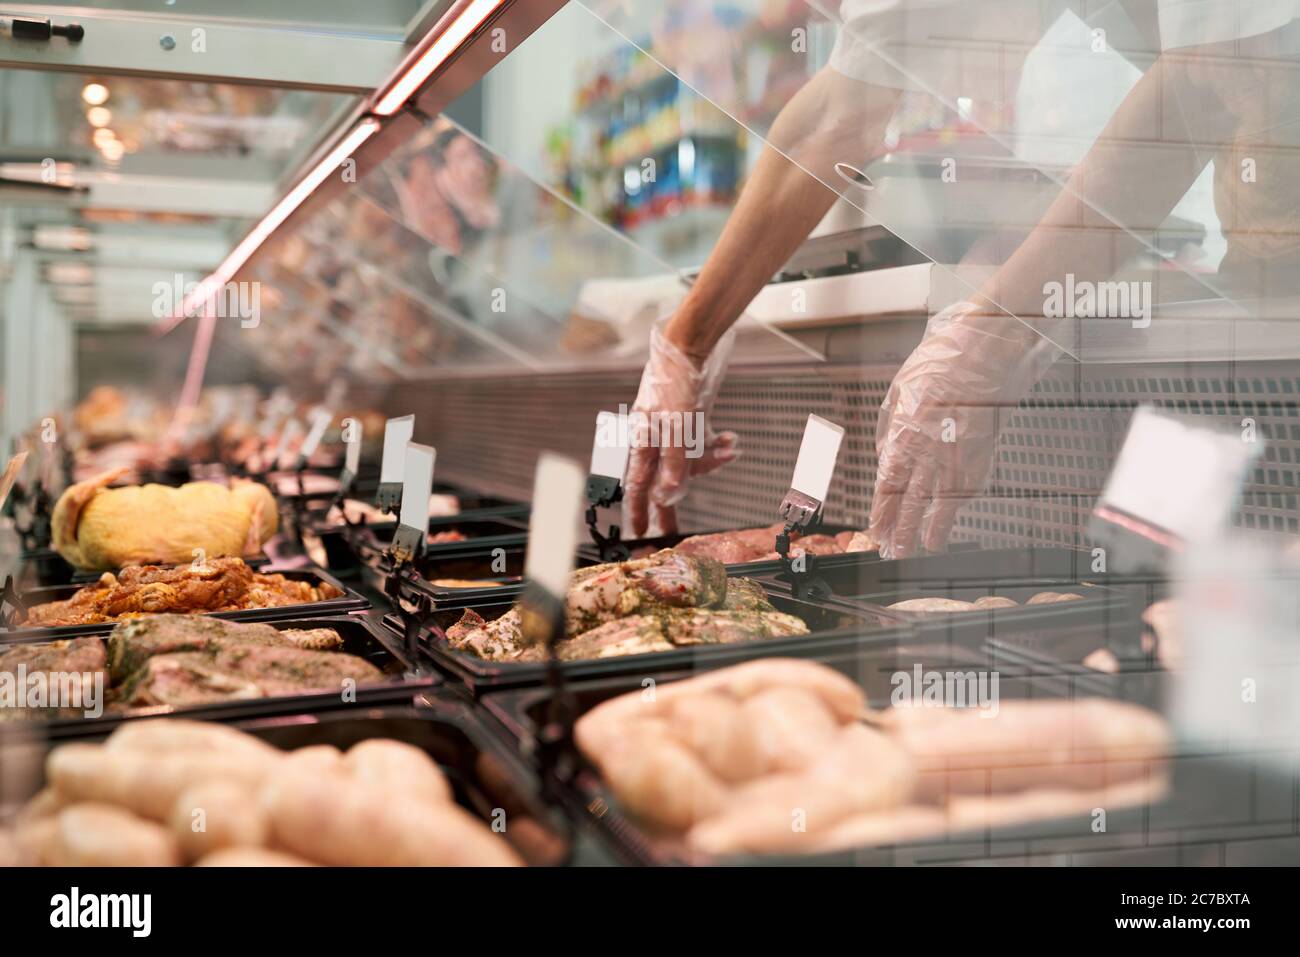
point(829, 623)
point(521, 713)
point(361, 636)
point(349, 601)
point(486, 777)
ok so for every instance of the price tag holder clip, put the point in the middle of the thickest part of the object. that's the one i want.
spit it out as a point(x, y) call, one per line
point(801, 508)
point(609, 456)
point(12, 600)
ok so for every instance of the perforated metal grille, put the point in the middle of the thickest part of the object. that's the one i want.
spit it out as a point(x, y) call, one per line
point(1056, 449)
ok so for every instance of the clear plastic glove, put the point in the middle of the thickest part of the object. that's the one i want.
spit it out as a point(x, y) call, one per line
point(940, 421)
point(669, 430)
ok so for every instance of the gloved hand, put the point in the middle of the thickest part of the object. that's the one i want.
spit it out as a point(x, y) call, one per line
point(939, 423)
point(669, 432)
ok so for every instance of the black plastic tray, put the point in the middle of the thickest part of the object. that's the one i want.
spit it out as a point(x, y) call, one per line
point(361, 637)
point(520, 712)
point(486, 777)
point(349, 601)
point(590, 553)
point(45, 566)
point(829, 623)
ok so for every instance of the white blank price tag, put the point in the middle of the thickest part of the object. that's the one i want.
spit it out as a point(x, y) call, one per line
point(558, 494)
point(397, 432)
point(417, 485)
point(609, 451)
point(1177, 476)
point(817, 455)
point(353, 460)
point(320, 421)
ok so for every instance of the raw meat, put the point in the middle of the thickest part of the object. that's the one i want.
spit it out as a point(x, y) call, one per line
point(759, 544)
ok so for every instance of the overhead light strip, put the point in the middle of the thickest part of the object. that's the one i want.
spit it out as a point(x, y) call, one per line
point(461, 28)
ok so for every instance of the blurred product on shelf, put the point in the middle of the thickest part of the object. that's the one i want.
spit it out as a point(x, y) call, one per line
point(100, 528)
point(722, 761)
point(131, 802)
point(668, 600)
point(219, 584)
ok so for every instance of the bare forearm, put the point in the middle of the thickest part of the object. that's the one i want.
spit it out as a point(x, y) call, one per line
point(831, 119)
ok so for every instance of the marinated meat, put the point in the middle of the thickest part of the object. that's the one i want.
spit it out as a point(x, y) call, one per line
point(995, 601)
point(220, 584)
point(79, 656)
point(240, 671)
point(666, 579)
point(640, 634)
point(497, 640)
point(652, 604)
point(135, 641)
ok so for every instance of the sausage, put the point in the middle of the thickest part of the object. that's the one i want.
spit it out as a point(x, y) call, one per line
point(217, 814)
point(400, 768)
point(1077, 744)
point(862, 771)
point(251, 857)
point(101, 835)
point(144, 782)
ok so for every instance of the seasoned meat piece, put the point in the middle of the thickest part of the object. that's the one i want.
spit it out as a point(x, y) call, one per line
point(241, 671)
point(708, 627)
point(745, 594)
point(635, 635)
point(664, 580)
point(313, 639)
point(221, 584)
point(136, 640)
point(498, 640)
point(995, 601)
point(79, 656)
point(927, 606)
